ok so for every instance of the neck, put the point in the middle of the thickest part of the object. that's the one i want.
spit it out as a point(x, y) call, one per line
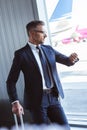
point(33, 42)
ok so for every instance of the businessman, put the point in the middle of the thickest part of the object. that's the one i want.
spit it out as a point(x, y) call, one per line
point(42, 85)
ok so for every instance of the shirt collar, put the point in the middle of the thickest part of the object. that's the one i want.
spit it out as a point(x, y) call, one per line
point(33, 46)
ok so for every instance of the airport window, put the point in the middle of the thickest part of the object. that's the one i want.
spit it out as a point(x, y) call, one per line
point(68, 31)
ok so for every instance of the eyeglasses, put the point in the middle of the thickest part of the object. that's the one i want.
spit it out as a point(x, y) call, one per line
point(43, 32)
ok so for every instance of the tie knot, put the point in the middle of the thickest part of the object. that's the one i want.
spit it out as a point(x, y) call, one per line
point(37, 47)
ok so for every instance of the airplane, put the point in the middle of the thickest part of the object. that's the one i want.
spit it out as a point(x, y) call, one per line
point(77, 36)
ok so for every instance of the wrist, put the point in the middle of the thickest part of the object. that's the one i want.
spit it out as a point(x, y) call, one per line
point(15, 102)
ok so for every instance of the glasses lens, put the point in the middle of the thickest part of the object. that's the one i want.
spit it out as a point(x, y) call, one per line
point(40, 31)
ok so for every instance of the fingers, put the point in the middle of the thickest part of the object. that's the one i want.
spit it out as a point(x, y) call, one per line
point(74, 57)
point(20, 111)
point(17, 108)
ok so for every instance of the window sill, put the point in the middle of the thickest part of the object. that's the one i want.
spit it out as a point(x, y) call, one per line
point(77, 119)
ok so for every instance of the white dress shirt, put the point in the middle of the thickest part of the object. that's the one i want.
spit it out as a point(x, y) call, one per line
point(36, 54)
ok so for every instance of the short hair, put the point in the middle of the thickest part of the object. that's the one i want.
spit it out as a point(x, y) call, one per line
point(33, 24)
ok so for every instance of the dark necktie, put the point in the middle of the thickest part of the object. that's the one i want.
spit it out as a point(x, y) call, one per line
point(45, 66)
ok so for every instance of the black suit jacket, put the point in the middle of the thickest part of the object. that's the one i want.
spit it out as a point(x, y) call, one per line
point(25, 61)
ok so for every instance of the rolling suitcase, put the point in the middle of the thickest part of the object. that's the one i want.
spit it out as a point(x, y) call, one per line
point(21, 122)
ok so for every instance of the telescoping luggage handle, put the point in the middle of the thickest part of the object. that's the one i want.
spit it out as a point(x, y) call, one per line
point(21, 121)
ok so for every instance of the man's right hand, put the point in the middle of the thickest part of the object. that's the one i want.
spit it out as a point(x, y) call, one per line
point(17, 108)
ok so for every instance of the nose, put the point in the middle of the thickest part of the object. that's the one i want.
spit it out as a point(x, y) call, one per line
point(45, 35)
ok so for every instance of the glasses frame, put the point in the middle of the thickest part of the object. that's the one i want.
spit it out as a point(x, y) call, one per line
point(39, 31)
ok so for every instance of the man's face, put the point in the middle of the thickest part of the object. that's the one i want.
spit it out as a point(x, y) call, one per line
point(39, 34)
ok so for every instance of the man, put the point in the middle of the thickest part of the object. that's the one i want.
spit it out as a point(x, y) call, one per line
point(42, 102)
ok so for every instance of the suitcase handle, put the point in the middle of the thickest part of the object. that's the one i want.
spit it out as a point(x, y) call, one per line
point(21, 121)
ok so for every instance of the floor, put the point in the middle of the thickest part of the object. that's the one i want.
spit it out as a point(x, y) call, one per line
point(78, 128)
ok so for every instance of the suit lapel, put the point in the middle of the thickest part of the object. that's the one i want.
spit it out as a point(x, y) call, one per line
point(30, 56)
point(48, 54)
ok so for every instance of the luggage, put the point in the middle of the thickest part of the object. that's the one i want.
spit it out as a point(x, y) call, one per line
point(16, 122)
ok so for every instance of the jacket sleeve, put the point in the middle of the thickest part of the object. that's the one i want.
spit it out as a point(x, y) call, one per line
point(63, 59)
point(13, 77)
